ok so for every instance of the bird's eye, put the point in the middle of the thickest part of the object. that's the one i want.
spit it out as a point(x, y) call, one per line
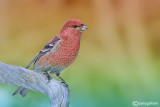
point(75, 26)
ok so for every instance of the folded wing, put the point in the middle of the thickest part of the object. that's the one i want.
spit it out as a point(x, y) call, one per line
point(46, 49)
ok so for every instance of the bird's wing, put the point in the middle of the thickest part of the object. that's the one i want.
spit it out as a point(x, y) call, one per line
point(46, 49)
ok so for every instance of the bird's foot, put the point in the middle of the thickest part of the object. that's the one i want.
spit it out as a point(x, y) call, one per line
point(48, 76)
point(63, 82)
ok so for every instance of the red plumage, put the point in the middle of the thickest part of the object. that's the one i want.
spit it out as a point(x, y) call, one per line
point(67, 49)
point(59, 53)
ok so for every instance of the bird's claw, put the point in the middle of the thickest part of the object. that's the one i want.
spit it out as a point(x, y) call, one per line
point(48, 76)
point(63, 82)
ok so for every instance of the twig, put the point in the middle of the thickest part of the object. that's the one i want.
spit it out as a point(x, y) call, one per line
point(15, 75)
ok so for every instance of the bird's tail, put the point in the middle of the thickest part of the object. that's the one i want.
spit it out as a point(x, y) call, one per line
point(22, 91)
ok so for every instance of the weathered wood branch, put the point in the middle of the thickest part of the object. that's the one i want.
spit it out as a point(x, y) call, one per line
point(15, 75)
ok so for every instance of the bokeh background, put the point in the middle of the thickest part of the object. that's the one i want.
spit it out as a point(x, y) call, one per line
point(119, 59)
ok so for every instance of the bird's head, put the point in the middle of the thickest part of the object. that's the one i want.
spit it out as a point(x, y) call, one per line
point(73, 26)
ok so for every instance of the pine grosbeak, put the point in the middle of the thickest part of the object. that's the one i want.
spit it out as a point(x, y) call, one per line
point(59, 53)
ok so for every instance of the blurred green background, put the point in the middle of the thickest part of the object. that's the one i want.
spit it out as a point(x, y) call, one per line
point(119, 59)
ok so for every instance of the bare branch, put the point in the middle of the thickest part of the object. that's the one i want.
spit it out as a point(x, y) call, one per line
point(15, 75)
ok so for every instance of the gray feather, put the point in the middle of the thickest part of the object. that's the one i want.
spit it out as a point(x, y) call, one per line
point(46, 49)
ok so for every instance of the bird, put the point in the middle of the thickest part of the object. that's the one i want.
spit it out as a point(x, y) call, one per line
point(59, 53)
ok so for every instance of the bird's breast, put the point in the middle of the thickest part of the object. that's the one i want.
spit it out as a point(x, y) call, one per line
point(64, 54)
